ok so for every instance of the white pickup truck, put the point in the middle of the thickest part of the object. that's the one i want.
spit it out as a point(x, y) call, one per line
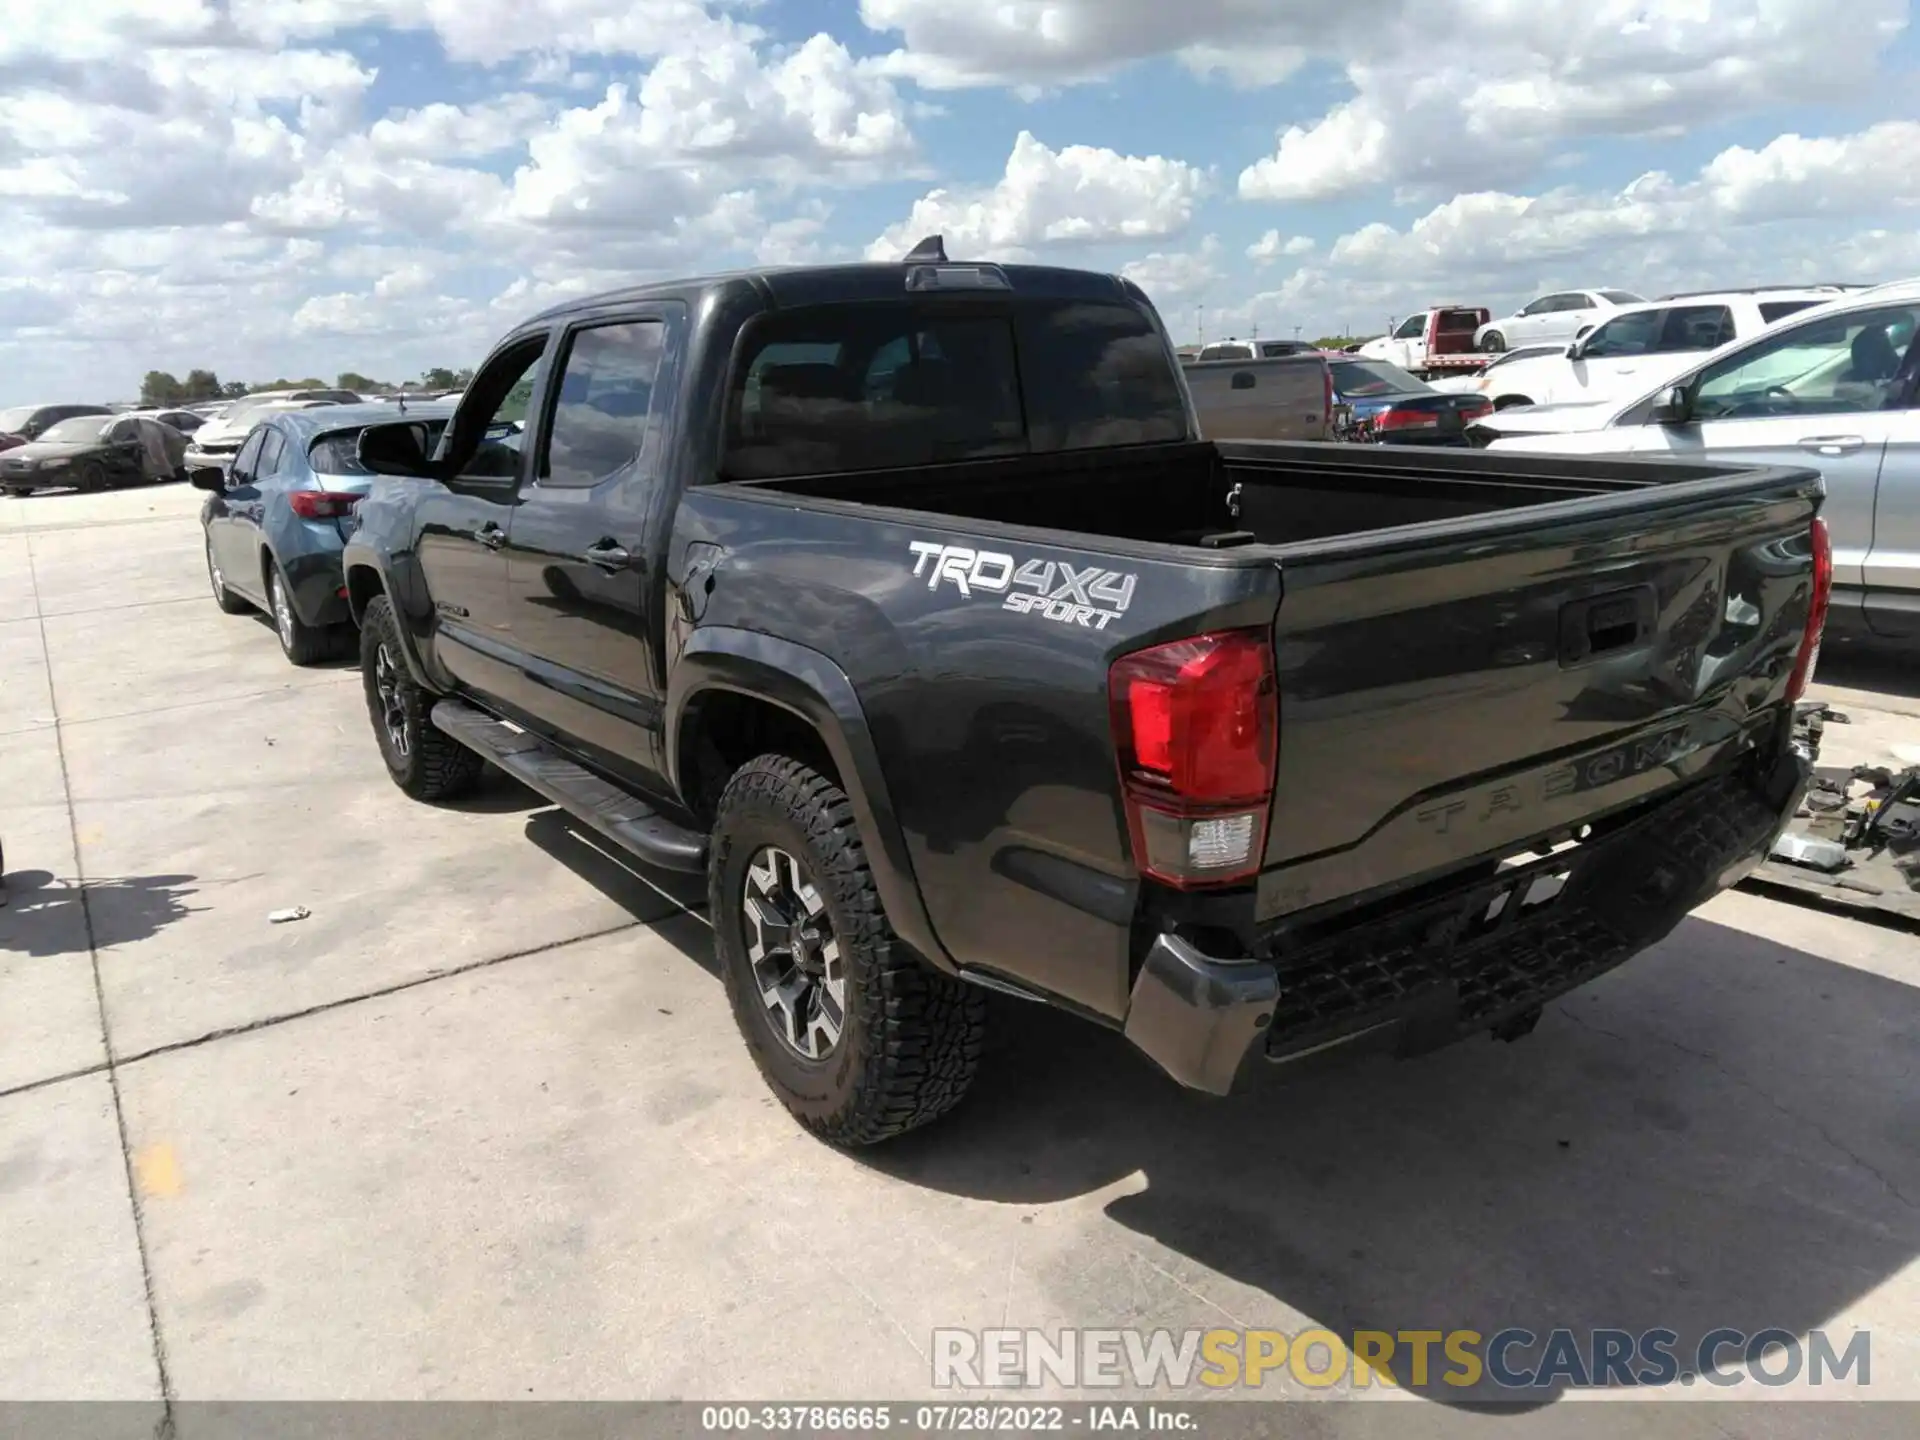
point(1433, 342)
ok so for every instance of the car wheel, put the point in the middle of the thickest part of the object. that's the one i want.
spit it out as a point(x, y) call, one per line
point(426, 763)
point(303, 643)
point(1508, 402)
point(229, 603)
point(1494, 342)
point(860, 1038)
point(92, 477)
point(19, 492)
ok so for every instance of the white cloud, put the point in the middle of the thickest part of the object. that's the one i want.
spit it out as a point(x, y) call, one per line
point(1081, 195)
point(1172, 277)
point(1272, 246)
point(440, 131)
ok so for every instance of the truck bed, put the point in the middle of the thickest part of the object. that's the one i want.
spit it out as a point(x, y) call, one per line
point(1452, 630)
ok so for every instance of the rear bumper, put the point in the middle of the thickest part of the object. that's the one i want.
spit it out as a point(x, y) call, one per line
point(1415, 971)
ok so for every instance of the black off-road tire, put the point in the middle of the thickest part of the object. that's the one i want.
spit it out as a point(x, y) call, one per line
point(432, 765)
point(912, 1038)
point(301, 643)
point(229, 602)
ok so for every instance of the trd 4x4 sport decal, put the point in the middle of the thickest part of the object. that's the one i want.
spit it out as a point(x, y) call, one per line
point(1051, 589)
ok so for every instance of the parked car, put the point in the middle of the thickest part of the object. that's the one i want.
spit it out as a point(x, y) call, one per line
point(1245, 349)
point(1288, 397)
point(1431, 342)
point(1477, 381)
point(275, 523)
point(1561, 317)
point(1644, 344)
point(1832, 387)
point(93, 452)
point(22, 423)
point(907, 603)
point(185, 421)
point(218, 441)
point(1385, 405)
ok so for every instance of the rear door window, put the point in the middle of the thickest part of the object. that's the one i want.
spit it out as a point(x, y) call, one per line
point(1696, 327)
point(605, 404)
point(835, 388)
point(1772, 310)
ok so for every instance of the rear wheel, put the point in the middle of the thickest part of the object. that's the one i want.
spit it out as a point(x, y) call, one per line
point(426, 763)
point(303, 643)
point(229, 603)
point(1494, 342)
point(19, 492)
point(860, 1038)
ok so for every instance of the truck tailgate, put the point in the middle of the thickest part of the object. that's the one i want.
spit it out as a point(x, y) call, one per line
point(1451, 692)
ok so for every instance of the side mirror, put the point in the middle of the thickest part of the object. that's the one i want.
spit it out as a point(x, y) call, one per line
point(207, 480)
point(393, 448)
point(1674, 407)
point(1576, 349)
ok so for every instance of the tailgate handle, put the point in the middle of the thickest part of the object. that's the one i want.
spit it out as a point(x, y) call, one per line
point(1606, 624)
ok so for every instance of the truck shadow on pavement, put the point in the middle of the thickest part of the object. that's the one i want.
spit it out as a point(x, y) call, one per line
point(45, 915)
point(1869, 665)
point(1719, 1135)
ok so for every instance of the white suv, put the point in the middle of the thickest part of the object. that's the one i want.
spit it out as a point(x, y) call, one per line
point(1641, 345)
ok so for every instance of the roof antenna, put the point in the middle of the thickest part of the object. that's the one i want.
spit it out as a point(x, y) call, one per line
point(932, 251)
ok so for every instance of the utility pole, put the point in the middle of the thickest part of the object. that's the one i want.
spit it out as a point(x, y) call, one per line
point(1296, 332)
point(1200, 321)
point(1256, 329)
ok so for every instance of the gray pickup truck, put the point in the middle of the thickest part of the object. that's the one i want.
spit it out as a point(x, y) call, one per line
point(1283, 396)
point(907, 603)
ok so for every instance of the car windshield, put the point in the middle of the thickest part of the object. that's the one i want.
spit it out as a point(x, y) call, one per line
point(12, 420)
point(78, 430)
point(1364, 379)
point(874, 386)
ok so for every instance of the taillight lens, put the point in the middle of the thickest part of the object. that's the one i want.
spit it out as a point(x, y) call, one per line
point(1196, 723)
point(323, 504)
point(1406, 420)
point(1816, 611)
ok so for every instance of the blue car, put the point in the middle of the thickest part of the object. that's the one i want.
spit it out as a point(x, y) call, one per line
point(276, 520)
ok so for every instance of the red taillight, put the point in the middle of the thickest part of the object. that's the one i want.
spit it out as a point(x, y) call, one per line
point(1816, 611)
point(1475, 410)
point(1196, 723)
point(1406, 420)
point(323, 504)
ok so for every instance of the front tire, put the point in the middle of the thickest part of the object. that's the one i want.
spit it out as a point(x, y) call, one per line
point(19, 492)
point(424, 762)
point(302, 643)
point(92, 478)
point(860, 1038)
point(1494, 344)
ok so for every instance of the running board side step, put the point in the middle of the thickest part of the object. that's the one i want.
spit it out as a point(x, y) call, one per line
point(627, 821)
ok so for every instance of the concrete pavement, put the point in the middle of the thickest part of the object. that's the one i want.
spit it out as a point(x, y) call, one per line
point(481, 1127)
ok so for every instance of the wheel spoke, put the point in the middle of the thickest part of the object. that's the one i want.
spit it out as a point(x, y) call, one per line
point(795, 958)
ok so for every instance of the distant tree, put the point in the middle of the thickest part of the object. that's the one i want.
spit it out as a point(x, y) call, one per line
point(234, 389)
point(160, 388)
point(202, 385)
point(463, 378)
point(354, 380)
point(439, 378)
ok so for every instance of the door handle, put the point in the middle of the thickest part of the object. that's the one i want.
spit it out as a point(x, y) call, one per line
point(608, 555)
point(491, 536)
point(1832, 444)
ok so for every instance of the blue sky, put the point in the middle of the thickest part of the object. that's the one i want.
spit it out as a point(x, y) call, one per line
point(281, 187)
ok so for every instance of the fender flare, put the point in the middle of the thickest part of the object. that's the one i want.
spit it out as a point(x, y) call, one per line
point(811, 686)
point(356, 559)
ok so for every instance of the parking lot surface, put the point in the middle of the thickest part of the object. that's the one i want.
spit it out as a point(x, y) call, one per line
point(480, 1126)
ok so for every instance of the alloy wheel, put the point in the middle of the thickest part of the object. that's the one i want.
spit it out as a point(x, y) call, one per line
point(282, 610)
point(393, 708)
point(794, 953)
point(213, 574)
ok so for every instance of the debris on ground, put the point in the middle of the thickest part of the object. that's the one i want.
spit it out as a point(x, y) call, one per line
point(1856, 837)
point(291, 913)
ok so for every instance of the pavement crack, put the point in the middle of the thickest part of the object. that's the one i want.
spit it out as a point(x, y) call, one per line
point(1779, 1106)
point(158, 1339)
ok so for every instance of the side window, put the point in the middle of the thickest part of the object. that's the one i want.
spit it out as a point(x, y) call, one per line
point(1411, 328)
point(1540, 306)
point(270, 451)
point(606, 400)
point(248, 457)
point(492, 419)
point(1833, 365)
point(1696, 327)
point(1633, 334)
